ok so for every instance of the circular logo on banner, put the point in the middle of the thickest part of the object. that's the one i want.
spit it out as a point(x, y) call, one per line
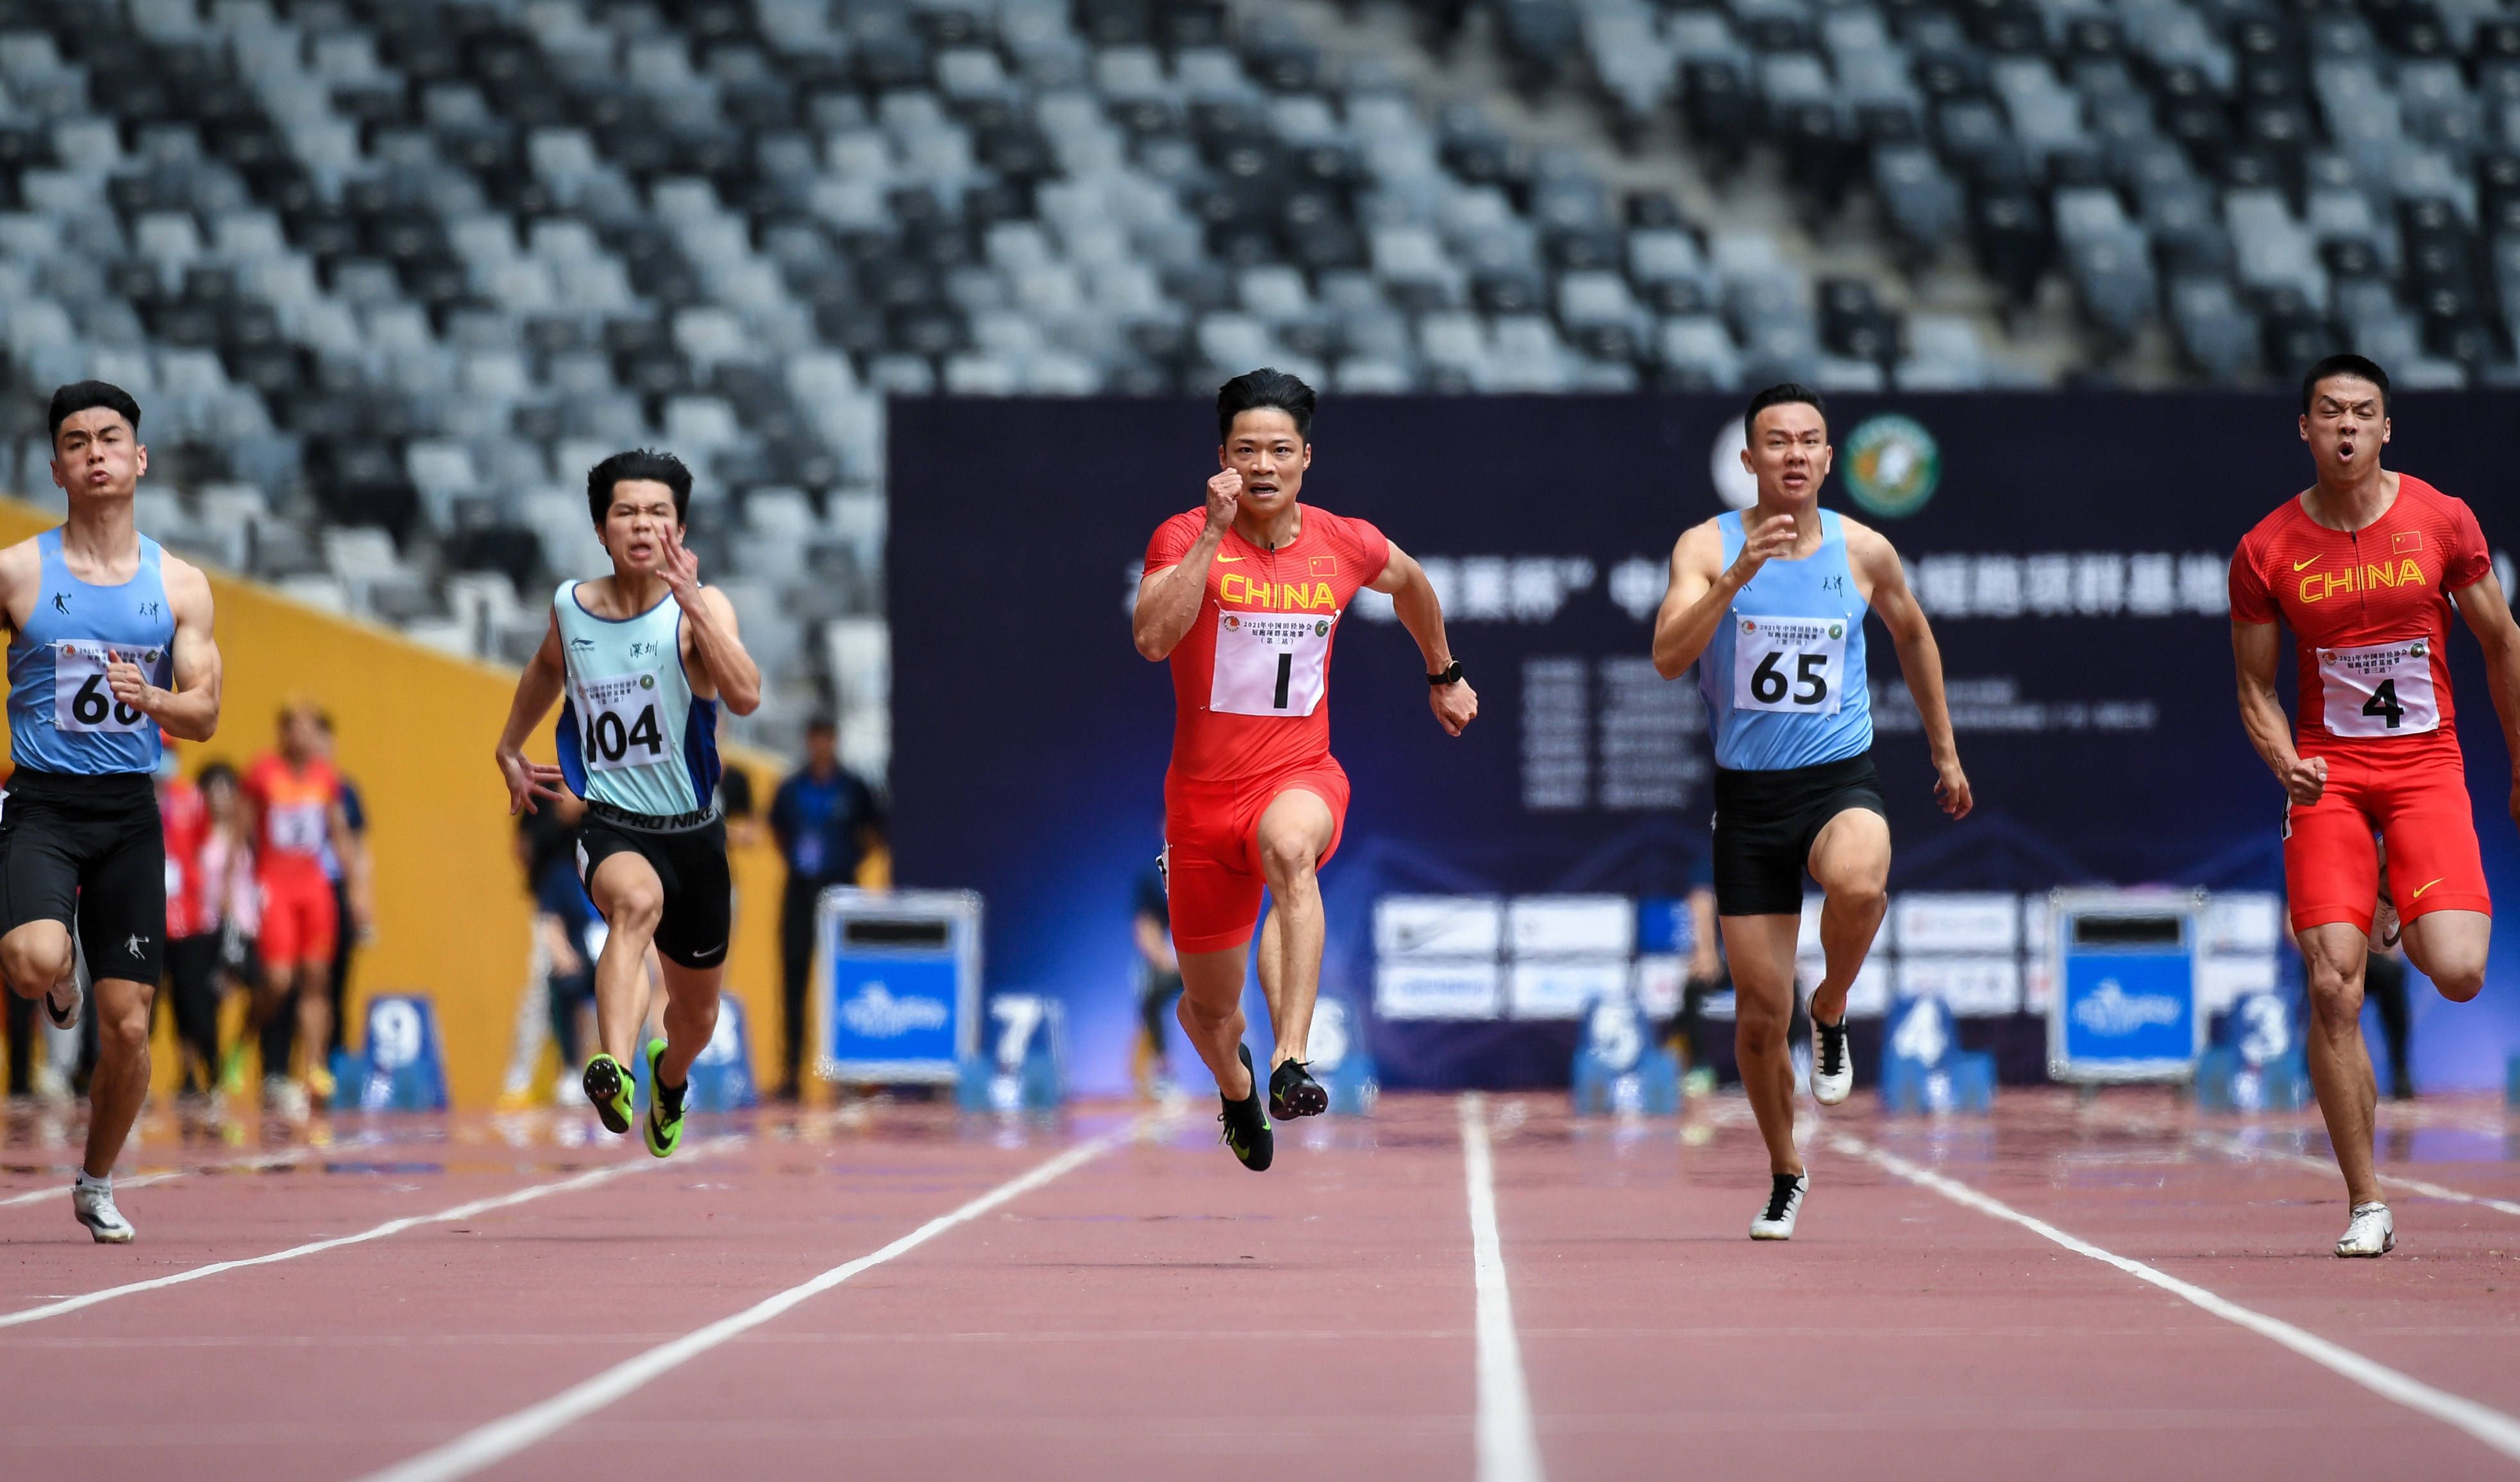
point(1232, 622)
point(1838, 630)
point(646, 681)
point(1893, 465)
point(1321, 629)
point(1736, 487)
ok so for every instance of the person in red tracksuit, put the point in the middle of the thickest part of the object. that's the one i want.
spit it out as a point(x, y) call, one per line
point(2365, 566)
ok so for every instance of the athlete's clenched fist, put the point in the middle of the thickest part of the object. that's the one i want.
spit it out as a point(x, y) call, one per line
point(1224, 497)
point(1773, 539)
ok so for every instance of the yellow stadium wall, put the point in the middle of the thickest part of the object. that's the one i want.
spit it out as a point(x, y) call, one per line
point(416, 730)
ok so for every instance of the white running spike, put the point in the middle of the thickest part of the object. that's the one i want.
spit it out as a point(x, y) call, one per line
point(2372, 1233)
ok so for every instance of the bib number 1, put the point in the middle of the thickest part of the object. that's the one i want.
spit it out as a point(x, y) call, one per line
point(83, 701)
point(1267, 664)
point(1792, 664)
point(620, 725)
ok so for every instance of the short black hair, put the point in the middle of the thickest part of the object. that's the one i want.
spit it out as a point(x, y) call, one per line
point(2355, 366)
point(638, 464)
point(1264, 388)
point(822, 723)
point(81, 395)
point(1782, 393)
point(212, 772)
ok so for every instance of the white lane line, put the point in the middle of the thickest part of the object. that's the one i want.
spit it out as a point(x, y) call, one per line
point(2487, 1424)
point(62, 1192)
point(587, 1179)
point(2224, 1143)
point(1509, 1444)
point(502, 1438)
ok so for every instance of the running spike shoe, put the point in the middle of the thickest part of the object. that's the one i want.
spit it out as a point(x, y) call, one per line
point(663, 1125)
point(2371, 1234)
point(607, 1086)
point(1784, 1206)
point(1832, 1076)
point(1246, 1124)
point(1293, 1093)
point(93, 1203)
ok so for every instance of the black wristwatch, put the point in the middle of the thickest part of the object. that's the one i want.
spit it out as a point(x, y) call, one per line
point(1452, 675)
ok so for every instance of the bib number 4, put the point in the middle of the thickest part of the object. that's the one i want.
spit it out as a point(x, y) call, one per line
point(1793, 665)
point(83, 701)
point(2386, 690)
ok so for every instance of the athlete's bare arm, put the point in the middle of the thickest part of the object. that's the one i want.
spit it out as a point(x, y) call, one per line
point(2257, 650)
point(354, 868)
point(1421, 613)
point(191, 710)
point(1878, 568)
point(537, 691)
point(726, 671)
point(1168, 598)
point(2489, 616)
point(1702, 587)
point(21, 581)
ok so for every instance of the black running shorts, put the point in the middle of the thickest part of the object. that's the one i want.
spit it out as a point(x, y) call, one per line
point(1765, 824)
point(88, 852)
point(690, 863)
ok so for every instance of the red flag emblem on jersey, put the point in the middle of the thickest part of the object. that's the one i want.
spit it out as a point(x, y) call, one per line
point(1324, 565)
point(2405, 541)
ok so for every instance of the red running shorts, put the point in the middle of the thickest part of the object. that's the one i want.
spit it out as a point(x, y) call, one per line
point(300, 922)
point(1212, 849)
point(2419, 808)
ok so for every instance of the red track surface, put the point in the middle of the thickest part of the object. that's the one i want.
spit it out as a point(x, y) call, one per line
point(1159, 1312)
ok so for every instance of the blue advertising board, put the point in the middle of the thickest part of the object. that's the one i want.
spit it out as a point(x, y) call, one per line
point(2125, 1006)
point(898, 986)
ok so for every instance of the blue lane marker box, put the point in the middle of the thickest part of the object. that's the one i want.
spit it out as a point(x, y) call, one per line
point(405, 1058)
point(2257, 1062)
point(1923, 1069)
point(1026, 1068)
point(1340, 1060)
point(1618, 1068)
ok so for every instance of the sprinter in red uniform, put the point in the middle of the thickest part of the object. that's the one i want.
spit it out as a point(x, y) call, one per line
point(2364, 567)
point(1245, 597)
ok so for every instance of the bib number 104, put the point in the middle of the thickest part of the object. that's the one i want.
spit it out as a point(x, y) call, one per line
point(610, 741)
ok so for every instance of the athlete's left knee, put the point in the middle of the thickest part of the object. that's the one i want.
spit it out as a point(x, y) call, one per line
point(2460, 980)
point(1287, 859)
point(1864, 897)
point(122, 1026)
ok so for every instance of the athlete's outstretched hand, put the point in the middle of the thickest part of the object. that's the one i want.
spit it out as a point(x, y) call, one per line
point(527, 780)
point(1456, 705)
point(1775, 537)
point(1952, 788)
point(1224, 497)
point(679, 569)
point(2305, 781)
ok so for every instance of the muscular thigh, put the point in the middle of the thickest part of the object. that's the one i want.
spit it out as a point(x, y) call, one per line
point(1852, 851)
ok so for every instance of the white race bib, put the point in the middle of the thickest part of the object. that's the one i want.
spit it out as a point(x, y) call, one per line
point(1795, 665)
point(1269, 663)
point(619, 723)
point(2386, 690)
point(81, 698)
point(298, 828)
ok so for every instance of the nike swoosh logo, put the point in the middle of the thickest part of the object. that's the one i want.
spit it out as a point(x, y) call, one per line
point(2427, 885)
point(1223, 559)
point(2313, 561)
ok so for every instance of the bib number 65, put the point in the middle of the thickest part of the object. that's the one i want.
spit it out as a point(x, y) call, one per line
point(1810, 684)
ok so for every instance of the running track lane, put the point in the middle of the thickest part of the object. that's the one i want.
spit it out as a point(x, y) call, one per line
point(1156, 1311)
point(2444, 1310)
point(1900, 1335)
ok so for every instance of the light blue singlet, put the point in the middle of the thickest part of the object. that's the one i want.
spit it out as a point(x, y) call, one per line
point(62, 717)
point(631, 732)
point(1784, 676)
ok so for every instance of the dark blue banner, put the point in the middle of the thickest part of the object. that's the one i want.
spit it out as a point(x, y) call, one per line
point(2071, 549)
